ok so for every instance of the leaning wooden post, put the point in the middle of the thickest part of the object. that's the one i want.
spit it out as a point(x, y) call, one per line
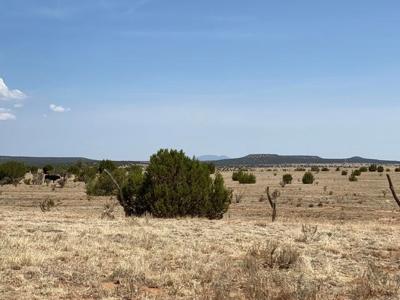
point(396, 198)
point(273, 205)
point(121, 195)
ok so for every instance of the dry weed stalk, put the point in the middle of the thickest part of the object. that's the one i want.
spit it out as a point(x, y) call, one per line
point(239, 196)
point(108, 210)
point(309, 233)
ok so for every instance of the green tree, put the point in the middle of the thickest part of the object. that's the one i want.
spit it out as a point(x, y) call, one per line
point(103, 185)
point(12, 172)
point(175, 185)
point(106, 164)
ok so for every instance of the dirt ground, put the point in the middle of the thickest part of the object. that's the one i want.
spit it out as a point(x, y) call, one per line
point(333, 239)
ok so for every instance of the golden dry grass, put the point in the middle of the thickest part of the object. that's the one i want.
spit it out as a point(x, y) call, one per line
point(71, 253)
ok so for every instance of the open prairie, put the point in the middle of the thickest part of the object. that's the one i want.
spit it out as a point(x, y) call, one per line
point(333, 239)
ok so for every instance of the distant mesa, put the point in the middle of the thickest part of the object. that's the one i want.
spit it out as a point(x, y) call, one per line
point(255, 160)
point(212, 157)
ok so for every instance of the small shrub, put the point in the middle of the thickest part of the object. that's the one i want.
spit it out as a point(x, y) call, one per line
point(236, 175)
point(315, 169)
point(287, 178)
point(337, 169)
point(308, 178)
point(380, 169)
point(397, 169)
point(247, 178)
point(299, 169)
point(363, 169)
point(274, 255)
point(244, 177)
point(344, 173)
point(373, 168)
point(48, 204)
point(353, 177)
point(356, 172)
point(325, 169)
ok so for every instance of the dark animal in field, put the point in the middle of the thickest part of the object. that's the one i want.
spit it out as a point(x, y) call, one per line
point(53, 177)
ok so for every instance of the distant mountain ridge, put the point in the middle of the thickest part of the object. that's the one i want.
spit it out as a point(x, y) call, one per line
point(42, 161)
point(253, 160)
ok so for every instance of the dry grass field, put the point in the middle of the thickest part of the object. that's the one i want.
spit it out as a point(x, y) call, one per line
point(334, 239)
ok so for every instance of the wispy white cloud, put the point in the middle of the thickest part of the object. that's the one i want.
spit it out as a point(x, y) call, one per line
point(5, 115)
point(18, 105)
point(58, 108)
point(7, 94)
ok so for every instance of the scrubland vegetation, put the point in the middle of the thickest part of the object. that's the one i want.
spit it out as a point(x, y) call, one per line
point(170, 231)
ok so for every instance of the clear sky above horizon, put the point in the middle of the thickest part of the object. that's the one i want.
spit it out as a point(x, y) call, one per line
point(121, 79)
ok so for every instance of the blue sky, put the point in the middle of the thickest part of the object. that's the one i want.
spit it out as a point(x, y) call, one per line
point(121, 79)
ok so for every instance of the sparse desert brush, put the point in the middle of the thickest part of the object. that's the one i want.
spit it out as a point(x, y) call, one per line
point(308, 178)
point(353, 177)
point(376, 283)
point(48, 203)
point(175, 185)
point(287, 178)
point(380, 169)
point(325, 169)
point(344, 173)
point(397, 169)
point(356, 172)
point(373, 168)
point(308, 233)
point(300, 169)
point(12, 172)
point(274, 255)
point(315, 169)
